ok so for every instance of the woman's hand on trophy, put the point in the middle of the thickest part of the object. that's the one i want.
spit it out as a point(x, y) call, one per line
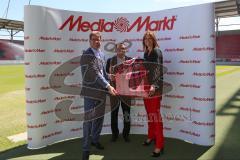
point(152, 90)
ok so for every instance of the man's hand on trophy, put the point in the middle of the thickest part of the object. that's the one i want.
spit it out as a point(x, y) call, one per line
point(111, 90)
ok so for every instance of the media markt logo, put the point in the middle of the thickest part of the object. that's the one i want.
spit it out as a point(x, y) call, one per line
point(121, 24)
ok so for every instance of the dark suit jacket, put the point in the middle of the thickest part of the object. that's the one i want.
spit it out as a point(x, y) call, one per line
point(110, 63)
point(94, 81)
point(154, 64)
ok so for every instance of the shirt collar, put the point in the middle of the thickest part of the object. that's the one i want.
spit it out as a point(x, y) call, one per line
point(96, 50)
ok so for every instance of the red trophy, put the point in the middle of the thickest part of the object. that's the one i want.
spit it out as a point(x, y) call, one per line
point(131, 78)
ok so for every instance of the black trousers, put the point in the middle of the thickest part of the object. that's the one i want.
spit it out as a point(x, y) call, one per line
point(115, 104)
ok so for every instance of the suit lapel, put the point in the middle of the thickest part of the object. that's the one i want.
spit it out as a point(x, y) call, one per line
point(96, 60)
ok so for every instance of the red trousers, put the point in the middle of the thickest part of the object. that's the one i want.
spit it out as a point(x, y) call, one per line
point(155, 125)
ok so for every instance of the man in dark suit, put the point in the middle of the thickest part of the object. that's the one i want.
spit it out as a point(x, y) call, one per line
point(94, 90)
point(125, 101)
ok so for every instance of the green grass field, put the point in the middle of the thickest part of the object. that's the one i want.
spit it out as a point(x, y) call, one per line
point(12, 104)
point(13, 121)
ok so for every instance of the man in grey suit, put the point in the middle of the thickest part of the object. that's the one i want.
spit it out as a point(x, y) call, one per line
point(94, 90)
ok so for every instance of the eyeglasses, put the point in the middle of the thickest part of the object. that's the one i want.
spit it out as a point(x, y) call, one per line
point(121, 49)
point(95, 39)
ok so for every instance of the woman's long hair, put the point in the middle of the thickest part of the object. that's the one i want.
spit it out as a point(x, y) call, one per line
point(153, 37)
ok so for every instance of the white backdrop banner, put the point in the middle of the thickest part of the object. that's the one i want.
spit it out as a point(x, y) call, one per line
point(55, 39)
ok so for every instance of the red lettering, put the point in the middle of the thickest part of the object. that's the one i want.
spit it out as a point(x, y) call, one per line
point(72, 24)
point(138, 21)
point(100, 25)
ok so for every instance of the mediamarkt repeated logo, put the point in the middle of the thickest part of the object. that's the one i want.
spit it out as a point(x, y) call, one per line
point(121, 24)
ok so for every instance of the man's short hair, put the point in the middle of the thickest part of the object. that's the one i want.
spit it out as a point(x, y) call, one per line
point(96, 33)
point(118, 44)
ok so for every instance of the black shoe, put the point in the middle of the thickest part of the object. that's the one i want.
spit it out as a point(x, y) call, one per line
point(85, 155)
point(154, 154)
point(147, 143)
point(98, 145)
point(126, 139)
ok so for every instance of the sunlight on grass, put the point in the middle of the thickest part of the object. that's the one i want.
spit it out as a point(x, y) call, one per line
point(12, 78)
point(12, 104)
point(13, 117)
point(96, 157)
point(226, 112)
point(38, 156)
point(224, 70)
